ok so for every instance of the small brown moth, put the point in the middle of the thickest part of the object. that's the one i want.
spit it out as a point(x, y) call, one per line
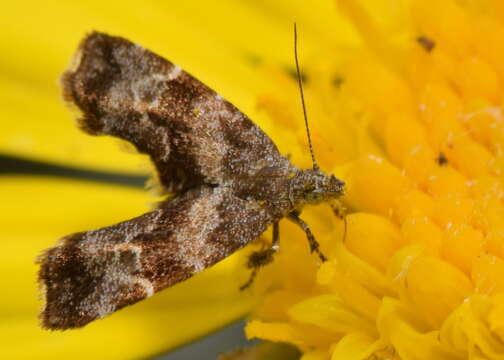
point(229, 183)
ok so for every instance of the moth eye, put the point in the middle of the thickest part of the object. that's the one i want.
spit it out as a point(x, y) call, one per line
point(309, 188)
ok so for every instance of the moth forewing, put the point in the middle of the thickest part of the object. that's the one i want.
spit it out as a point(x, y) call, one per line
point(204, 149)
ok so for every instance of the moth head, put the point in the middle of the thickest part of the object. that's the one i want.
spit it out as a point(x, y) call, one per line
point(316, 186)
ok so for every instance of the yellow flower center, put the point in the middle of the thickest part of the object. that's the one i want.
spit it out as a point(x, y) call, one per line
point(420, 272)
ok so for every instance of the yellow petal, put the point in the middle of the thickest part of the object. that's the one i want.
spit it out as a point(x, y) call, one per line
point(396, 326)
point(356, 346)
point(386, 238)
point(330, 313)
point(436, 296)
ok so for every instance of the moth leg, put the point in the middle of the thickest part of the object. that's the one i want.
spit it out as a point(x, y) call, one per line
point(263, 257)
point(314, 245)
point(339, 210)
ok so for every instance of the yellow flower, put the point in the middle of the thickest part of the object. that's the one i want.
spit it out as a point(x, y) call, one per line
point(404, 105)
point(410, 116)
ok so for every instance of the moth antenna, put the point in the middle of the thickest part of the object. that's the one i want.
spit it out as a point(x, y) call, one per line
point(300, 82)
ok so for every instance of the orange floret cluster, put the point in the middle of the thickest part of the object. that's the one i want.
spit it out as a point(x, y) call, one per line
point(420, 271)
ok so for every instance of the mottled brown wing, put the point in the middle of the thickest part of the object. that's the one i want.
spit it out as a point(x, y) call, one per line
point(89, 275)
point(192, 135)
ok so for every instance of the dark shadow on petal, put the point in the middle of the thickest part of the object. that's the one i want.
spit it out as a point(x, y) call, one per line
point(12, 165)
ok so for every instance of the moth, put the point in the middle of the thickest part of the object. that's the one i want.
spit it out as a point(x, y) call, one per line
point(229, 181)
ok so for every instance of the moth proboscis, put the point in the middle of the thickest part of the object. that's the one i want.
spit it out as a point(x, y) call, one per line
point(229, 179)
